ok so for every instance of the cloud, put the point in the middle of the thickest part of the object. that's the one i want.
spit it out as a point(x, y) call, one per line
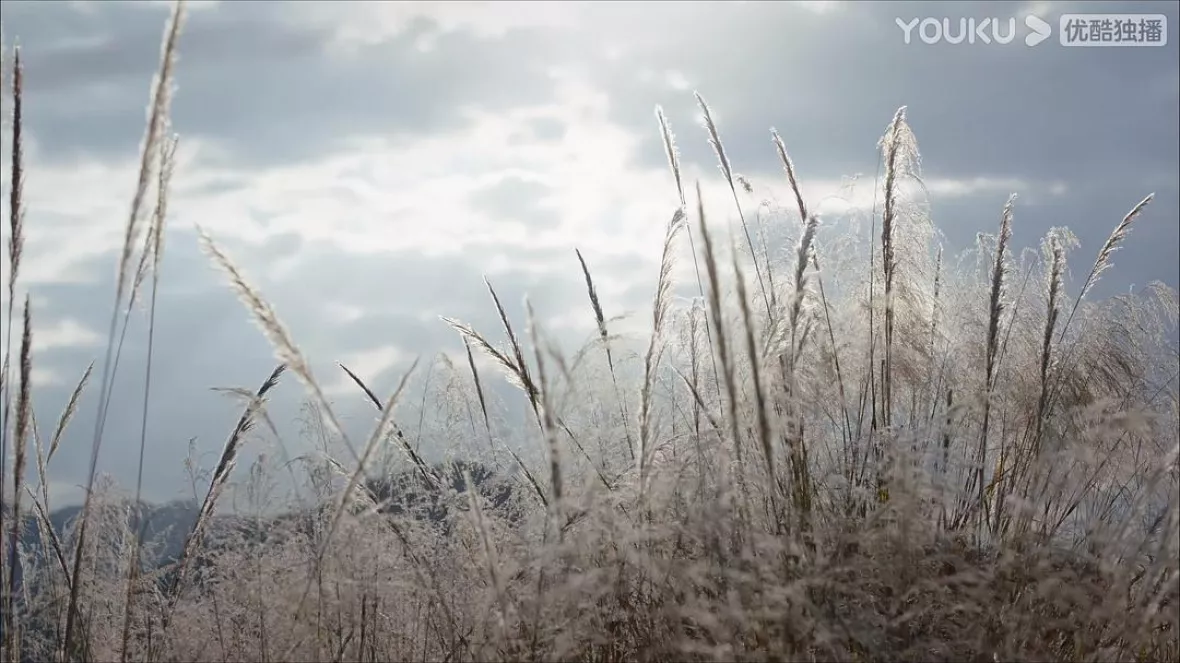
point(367, 165)
point(376, 361)
point(363, 23)
point(284, 78)
point(66, 333)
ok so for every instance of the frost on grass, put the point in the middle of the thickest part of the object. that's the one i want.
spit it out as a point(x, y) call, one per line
point(852, 444)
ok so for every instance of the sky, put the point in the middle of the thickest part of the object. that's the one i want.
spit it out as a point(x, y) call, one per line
point(368, 164)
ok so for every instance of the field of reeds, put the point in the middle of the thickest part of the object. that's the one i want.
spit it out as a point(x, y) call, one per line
point(854, 447)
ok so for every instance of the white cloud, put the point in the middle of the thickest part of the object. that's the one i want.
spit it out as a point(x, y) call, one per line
point(950, 188)
point(821, 6)
point(959, 187)
point(73, 212)
point(49, 337)
point(65, 333)
point(190, 5)
point(413, 195)
point(357, 24)
point(47, 377)
point(677, 80)
point(373, 362)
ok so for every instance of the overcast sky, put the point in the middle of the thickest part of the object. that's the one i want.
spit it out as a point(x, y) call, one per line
point(366, 164)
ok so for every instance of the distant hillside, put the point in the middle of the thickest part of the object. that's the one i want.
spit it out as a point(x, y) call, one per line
point(165, 526)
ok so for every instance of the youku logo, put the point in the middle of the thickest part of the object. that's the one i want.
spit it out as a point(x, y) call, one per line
point(973, 30)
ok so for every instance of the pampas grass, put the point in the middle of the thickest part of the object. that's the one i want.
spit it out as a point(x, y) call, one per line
point(655, 347)
point(225, 465)
point(159, 108)
point(727, 172)
point(15, 252)
point(426, 473)
point(20, 450)
point(995, 310)
point(604, 336)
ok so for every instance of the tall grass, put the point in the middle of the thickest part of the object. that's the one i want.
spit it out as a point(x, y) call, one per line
point(910, 455)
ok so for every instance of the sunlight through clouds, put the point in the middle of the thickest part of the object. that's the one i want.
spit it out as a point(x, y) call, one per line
point(342, 150)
